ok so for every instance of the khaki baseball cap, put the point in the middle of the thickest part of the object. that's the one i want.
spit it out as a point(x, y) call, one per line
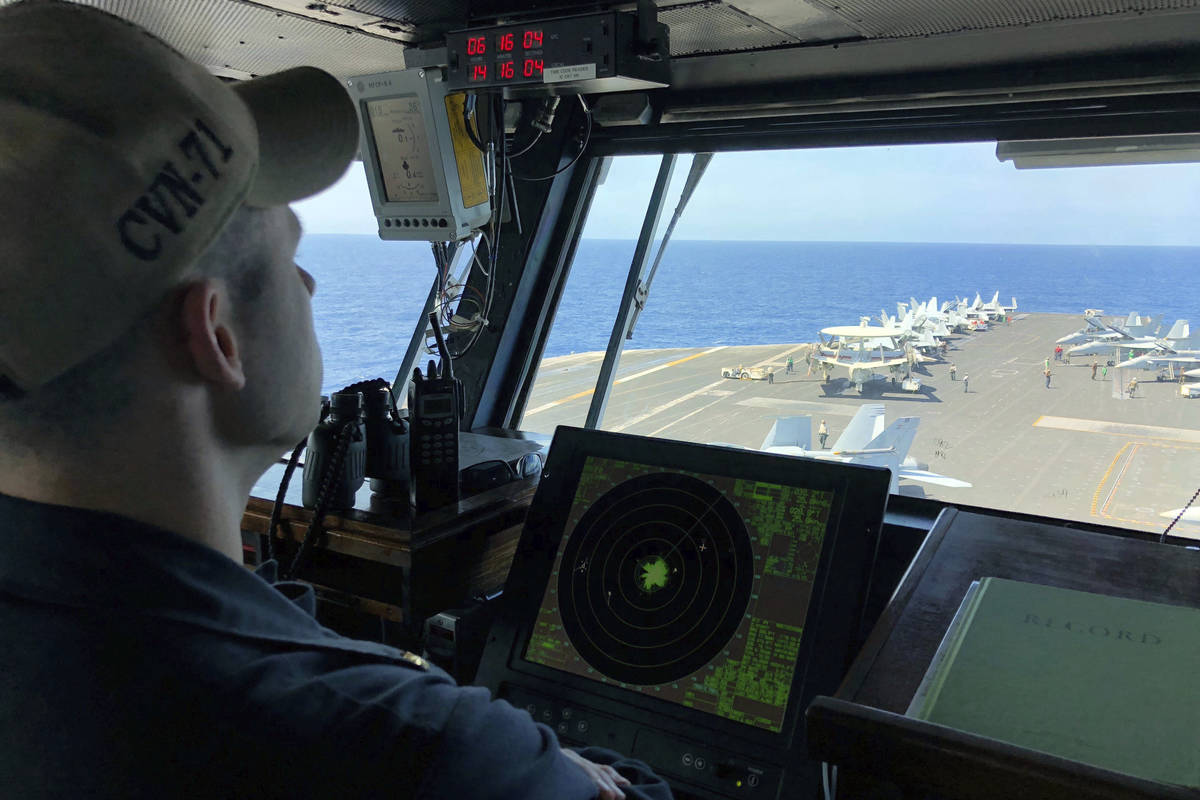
point(120, 162)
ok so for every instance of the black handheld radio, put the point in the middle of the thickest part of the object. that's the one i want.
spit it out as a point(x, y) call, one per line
point(435, 407)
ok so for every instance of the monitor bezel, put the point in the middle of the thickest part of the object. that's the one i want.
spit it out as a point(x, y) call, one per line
point(833, 624)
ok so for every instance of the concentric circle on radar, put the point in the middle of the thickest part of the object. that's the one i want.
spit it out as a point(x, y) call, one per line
point(655, 578)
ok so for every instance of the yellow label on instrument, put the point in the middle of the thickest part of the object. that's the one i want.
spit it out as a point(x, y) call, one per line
point(466, 155)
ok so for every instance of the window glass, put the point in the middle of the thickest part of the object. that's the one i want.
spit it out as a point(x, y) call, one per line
point(370, 292)
point(782, 256)
point(562, 388)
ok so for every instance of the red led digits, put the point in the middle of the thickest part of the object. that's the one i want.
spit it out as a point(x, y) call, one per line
point(506, 42)
point(532, 67)
point(476, 46)
point(479, 72)
point(531, 39)
point(506, 69)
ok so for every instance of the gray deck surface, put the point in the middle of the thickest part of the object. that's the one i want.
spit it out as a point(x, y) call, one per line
point(1072, 451)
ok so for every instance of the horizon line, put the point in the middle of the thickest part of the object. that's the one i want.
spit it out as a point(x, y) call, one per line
point(807, 241)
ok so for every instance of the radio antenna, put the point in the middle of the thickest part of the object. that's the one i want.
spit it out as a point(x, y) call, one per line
point(447, 364)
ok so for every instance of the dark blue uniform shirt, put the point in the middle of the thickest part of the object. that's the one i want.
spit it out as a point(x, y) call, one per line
point(137, 663)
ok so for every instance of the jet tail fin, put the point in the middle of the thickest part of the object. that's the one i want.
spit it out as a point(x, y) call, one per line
point(1179, 330)
point(897, 437)
point(866, 424)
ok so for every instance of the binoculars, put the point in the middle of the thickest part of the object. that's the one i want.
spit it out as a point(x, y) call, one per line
point(374, 444)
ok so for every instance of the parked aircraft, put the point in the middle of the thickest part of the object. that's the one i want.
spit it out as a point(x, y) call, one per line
point(995, 309)
point(866, 440)
point(867, 354)
point(1179, 336)
point(1177, 354)
point(917, 329)
point(1098, 329)
point(947, 315)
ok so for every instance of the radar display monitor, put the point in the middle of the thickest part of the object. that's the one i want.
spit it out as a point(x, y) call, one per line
point(688, 587)
point(666, 596)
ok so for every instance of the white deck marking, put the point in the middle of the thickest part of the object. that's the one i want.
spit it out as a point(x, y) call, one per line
point(784, 406)
point(1118, 428)
point(704, 407)
point(684, 398)
point(634, 376)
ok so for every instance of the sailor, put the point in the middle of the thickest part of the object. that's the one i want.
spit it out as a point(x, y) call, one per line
point(822, 433)
point(966, 383)
point(157, 355)
point(953, 370)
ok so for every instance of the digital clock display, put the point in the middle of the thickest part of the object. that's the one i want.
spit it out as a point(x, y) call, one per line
point(532, 57)
point(508, 56)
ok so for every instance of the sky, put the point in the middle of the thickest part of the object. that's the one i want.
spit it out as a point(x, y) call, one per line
point(916, 193)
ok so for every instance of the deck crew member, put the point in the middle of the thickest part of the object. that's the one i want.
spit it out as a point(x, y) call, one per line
point(822, 434)
point(157, 354)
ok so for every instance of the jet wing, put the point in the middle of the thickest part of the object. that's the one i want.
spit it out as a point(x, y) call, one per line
point(925, 476)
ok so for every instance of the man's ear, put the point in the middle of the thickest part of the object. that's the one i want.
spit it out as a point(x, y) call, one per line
point(211, 340)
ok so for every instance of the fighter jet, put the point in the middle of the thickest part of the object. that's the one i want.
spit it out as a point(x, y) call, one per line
point(917, 329)
point(947, 315)
point(1098, 329)
point(1178, 336)
point(994, 309)
point(866, 440)
point(1180, 350)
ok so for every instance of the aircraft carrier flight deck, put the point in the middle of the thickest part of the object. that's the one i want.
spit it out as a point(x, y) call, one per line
point(1073, 450)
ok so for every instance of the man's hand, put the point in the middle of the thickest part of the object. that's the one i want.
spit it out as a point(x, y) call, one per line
point(607, 779)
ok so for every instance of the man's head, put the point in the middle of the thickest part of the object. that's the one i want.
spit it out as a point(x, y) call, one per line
point(142, 202)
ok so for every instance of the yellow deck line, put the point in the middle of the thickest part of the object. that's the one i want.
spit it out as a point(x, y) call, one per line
point(684, 398)
point(1103, 512)
point(643, 373)
point(1104, 480)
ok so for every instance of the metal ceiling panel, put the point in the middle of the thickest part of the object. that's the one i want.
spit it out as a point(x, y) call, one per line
point(711, 26)
point(801, 19)
point(238, 38)
point(412, 12)
point(908, 18)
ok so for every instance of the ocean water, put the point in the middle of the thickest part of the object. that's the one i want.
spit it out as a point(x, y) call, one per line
point(708, 293)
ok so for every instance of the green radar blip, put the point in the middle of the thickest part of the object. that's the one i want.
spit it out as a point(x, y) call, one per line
point(654, 574)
